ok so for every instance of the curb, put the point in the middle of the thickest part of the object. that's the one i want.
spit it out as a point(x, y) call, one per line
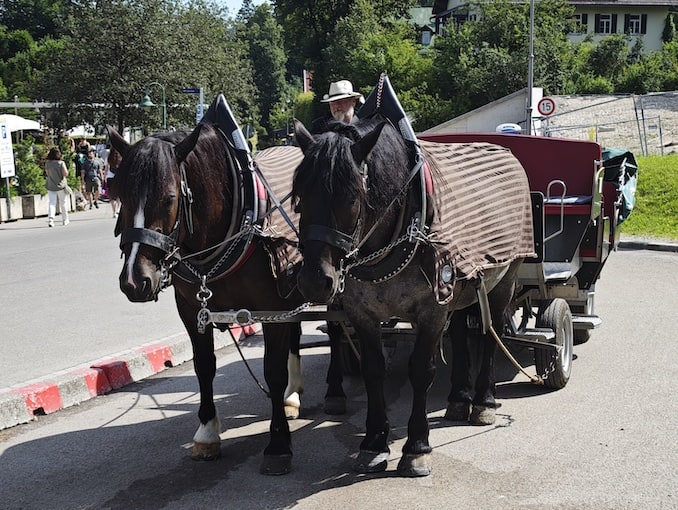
point(648, 245)
point(23, 403)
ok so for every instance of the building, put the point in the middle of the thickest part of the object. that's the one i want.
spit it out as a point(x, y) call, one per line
point(641, 19)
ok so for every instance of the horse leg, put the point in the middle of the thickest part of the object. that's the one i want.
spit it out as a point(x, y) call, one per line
point(335, 398)
point(463, 377)
point(295, 384)
point(416, 459)
point(277, 340)
point(206, 441)
point(374, 450)
point(484, 404)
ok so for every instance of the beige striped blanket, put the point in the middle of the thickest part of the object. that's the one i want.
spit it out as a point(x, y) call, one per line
point(482, 211)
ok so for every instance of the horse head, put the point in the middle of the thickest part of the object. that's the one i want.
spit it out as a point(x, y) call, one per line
point(151, 188)
point(330, 194)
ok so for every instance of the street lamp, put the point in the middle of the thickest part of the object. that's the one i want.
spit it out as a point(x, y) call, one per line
point(147, 103)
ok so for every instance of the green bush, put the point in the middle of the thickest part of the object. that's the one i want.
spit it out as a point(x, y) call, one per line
point(29, 160)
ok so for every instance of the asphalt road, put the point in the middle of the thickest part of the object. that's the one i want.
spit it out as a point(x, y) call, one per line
point(606, 441)
point(60, 304)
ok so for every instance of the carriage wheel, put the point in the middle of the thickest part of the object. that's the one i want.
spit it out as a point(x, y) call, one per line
point(581, 336)
point(555, 314)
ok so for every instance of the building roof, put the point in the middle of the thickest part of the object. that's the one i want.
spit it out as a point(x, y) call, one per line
point(625, 3)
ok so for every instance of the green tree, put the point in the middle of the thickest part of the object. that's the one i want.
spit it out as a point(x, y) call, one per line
point(264, 39)
point(310, 25)
point(40, 18)
point(483, 60)
point(114, 49)
point(669, 32)
point(609, 57)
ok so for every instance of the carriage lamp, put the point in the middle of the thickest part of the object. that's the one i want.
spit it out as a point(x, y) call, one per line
point(147, 103)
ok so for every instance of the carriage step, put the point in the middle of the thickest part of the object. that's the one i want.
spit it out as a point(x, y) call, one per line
point(586, 321)
point(538, 338)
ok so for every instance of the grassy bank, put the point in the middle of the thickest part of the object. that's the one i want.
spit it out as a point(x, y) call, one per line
point(656, 211)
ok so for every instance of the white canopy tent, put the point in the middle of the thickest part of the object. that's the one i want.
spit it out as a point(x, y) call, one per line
point(17, 123)
point(83, 130)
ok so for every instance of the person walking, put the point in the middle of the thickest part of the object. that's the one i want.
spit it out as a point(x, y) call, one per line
point(112, 162)
point(91, 177)
point(57, 185)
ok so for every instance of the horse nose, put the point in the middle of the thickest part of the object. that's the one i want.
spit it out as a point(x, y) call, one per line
point(316, 285)
point(137, 291)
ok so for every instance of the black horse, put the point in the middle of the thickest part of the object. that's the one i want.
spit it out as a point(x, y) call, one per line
point(375, 237)
point(182, 223)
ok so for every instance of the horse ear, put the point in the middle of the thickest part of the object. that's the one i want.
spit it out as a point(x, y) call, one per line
point(184, 148)
point(117, 141)
point(364, 146)
point(303, 137)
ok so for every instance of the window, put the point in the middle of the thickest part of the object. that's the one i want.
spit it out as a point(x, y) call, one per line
point(606, 24)
point(635, 24)
point(426, 37)
point(581, 23)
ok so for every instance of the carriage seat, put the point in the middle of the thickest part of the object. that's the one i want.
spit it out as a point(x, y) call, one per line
point(573, 205)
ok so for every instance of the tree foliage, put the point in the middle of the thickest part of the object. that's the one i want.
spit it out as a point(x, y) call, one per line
point(98, 58)
point(111, 52)
point(263, 37)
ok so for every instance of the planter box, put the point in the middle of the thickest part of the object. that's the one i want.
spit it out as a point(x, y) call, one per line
point(34, 205)
point(16, 209)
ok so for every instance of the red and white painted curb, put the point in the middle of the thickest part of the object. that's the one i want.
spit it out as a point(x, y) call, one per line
point(22, 403)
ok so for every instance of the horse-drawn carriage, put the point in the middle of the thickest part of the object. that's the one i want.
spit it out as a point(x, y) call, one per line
point(200, 214)
point(577, 203)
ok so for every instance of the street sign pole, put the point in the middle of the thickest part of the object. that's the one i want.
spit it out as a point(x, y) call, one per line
point(7, 169)
point(201, 100)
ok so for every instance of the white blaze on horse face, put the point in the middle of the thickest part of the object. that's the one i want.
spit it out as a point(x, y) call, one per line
point(139, 220)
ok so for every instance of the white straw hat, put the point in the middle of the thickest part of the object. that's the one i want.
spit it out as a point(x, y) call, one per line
point(341, 90)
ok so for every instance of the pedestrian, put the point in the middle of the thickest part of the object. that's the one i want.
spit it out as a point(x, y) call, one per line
point(112, 163)
point(91, 177)
point(342, 102)
point(57, 185)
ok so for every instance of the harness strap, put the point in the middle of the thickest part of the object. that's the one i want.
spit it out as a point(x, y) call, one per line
point(329, 236)
point(163, 242)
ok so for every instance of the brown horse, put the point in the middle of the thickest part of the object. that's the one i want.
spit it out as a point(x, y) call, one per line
point(185, 222)
point(373, 238)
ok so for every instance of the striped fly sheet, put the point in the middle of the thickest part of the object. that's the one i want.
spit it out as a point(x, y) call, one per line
point(277, 165)
point(482, 211)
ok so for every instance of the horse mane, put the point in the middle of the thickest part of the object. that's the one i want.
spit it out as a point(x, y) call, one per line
point(387, 163)
point(151, 162)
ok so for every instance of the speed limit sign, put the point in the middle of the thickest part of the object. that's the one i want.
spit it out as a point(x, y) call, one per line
point(546, 106)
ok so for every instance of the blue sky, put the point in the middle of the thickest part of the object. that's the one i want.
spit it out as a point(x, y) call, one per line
point(235, 5)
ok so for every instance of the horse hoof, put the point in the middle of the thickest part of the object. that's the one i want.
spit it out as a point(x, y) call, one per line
point(412, 465)
point(335, 405)
point(483, 415)
point(292, 406)
point(206, 451)
point(292, 412)
point(458, 411)
point(275, 465)
point(371, 462)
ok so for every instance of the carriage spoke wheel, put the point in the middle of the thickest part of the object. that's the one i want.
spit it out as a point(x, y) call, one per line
point(555, 314)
